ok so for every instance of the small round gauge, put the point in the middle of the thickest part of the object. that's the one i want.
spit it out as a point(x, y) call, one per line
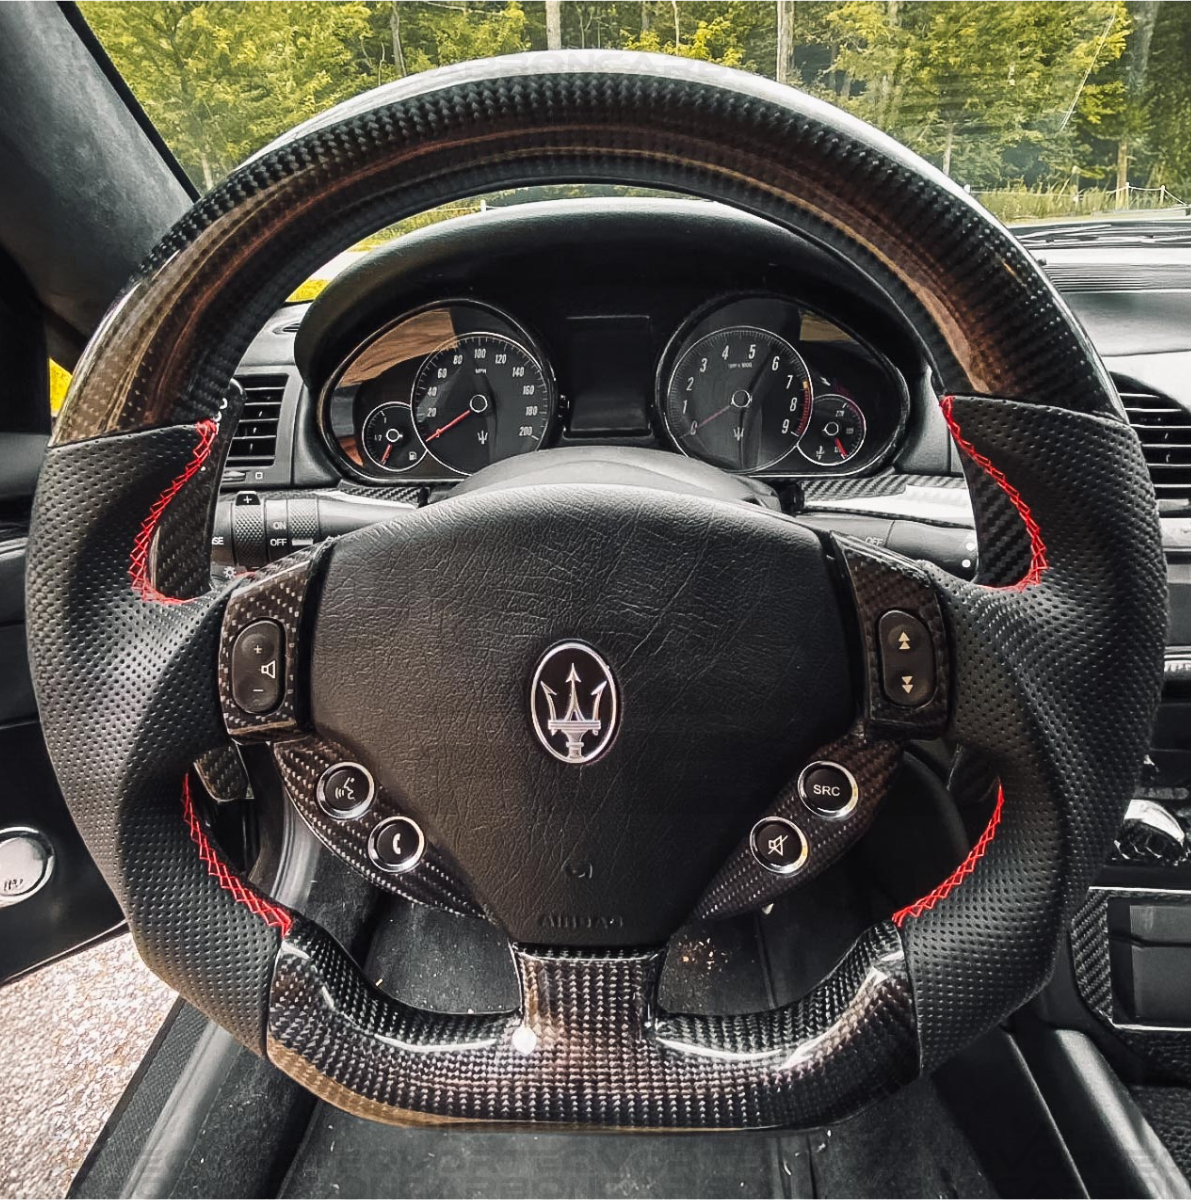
point(835, 433)
point(739, 397)
point(480, 398)
point(388, 438)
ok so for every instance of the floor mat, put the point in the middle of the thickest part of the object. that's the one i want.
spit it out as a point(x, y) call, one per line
point(1168, 1110)
point(905, 1146)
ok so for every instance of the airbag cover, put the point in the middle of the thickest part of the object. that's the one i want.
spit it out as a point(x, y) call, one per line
point(719, 621)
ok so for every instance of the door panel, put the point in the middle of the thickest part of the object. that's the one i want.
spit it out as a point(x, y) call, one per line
point(52, 897)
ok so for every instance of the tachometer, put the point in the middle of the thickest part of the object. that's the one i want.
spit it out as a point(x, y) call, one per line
point(739, 397)
point(480, 398)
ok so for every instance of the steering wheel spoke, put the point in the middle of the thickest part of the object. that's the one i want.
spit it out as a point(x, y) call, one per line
point(817, 816)
point(349, 812)
point(589, 1045)
point(263, 681)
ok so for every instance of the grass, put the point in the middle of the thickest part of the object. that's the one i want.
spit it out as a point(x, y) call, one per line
point(1055, 203)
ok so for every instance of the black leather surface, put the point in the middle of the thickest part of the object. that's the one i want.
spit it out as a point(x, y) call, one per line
point(618, 466)
point(1057, 683)
point(1115, 1148)
point(722, 628)
point(127, 694)
point(1168, 1111)
point(64, 124)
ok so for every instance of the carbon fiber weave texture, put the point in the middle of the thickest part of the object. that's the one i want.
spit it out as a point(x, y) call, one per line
point(1169, 1053)
point(742, 884)
point(584, 1053)
point(1004, 546)
point(882, 582)
point(301, 762)
point(222, 773)
point(721, 134)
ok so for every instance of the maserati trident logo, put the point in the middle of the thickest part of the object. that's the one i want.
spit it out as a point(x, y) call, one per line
point(573, 703)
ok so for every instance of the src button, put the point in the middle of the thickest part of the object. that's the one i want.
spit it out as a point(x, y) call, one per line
point(828, 789)
point(907, 659)
point(258, 667)
point(345, 791)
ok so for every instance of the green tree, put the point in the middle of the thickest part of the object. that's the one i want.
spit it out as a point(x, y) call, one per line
point(1168, 98)
point(438, 34)
point(966, 82)
point(998, 94)
point(221, 79)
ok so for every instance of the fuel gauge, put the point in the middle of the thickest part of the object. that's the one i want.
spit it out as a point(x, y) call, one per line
point(835, 433)
point(389, 440)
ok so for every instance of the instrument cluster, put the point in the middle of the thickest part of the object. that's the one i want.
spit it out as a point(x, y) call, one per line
point(760, 385)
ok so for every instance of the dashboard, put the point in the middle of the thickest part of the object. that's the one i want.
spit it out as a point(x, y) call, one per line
point(675, 325)
point(669, 324)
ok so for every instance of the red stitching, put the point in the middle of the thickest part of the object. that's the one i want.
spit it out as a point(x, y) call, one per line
point(272, 914)
point(960, 873)
point(1038, 559)
point(138, 569)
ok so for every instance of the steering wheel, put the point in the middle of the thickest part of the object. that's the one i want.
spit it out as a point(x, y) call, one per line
point(702, 652)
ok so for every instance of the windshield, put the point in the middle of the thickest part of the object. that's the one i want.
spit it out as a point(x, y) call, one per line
point(1044, 111)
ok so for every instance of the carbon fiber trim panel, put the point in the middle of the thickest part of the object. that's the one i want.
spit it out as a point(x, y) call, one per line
point(434, 881)
point(395, 495)
point(173, 564)
point(1004, 548)
point(276, 593)
point(222, 773)
point(1169, 1051)
point(886, 484)
point(589, 1049)
point(743, 884)
point(882, 582)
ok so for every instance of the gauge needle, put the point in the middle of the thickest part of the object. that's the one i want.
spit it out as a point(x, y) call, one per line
point(384, 458)
point(718, 413)
point(840, 447)
point(450, 424)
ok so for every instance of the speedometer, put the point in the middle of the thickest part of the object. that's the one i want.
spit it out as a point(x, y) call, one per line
point(480, 398)
point(739, 397)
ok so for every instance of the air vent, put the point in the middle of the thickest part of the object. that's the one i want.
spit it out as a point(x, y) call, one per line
point(254, 443)
point(1164, 427)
